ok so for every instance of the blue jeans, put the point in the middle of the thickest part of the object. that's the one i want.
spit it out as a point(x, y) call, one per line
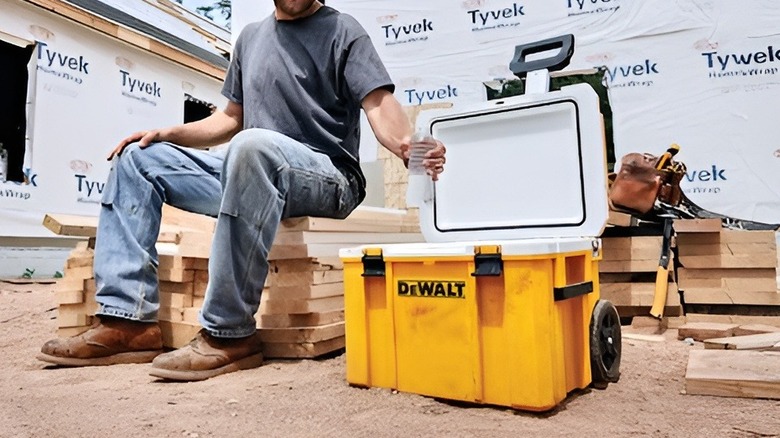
point(262, 178)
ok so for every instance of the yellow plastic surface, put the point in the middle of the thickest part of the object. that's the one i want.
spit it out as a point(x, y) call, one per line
point(429, 327)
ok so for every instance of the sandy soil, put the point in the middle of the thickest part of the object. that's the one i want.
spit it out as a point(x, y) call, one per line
point(311, 398)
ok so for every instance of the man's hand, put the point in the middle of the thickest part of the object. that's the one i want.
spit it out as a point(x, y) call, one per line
point(434, 159)
point(144, 139)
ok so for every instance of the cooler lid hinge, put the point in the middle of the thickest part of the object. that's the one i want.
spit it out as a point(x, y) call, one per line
point(373, 263)
point(488, 262)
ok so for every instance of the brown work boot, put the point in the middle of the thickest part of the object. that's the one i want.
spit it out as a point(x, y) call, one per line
point(207, 356)
point(108, 342)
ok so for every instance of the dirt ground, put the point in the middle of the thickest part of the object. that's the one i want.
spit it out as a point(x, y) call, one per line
point(312, 398)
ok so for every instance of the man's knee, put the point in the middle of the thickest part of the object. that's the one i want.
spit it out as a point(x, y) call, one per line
point(260, 146)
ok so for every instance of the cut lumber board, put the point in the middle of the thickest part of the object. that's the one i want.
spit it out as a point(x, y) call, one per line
point(325, 224)
point(303, 292)
point(629, 266)
point(176, 275)
point(307, 350)
point(299, 319)
point(725, 236)
point(646, 242)
point(344, 238)
point(303, 251)
point(185, 219)
point(749, 374)
point(732, 279)
point(763, 341)
point(642, 337)
point(733, 319)
point(305, 278)
point(637, 294)
point(297, 335)
point(170, 261)
point(697, 225)
point(319, 305)
point(71, 225)
point(620, 219)
point(734, 261)
point(755, 329)
point(178, 334)
point(700, 331)
point(305, 264)
point(67, 332)
point(728, 297)
point(767, 249)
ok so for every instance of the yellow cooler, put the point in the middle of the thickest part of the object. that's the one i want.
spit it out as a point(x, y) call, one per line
point(501, 304)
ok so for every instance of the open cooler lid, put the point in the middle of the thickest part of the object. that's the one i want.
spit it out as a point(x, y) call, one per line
point(523, 167)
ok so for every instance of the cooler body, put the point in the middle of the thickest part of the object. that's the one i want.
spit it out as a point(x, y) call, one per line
point(500, 323)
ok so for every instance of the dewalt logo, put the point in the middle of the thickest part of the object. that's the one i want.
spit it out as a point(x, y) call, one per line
point(428, 288)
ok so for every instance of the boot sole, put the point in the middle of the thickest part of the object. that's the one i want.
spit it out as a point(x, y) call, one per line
point(246, 363)
point(116, 359)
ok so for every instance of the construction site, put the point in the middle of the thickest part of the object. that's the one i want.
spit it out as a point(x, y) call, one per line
point(586, 265)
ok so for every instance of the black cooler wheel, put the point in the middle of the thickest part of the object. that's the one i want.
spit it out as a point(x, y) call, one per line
point(605, 344)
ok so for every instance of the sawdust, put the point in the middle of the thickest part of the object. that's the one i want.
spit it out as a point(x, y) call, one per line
point(311, 398)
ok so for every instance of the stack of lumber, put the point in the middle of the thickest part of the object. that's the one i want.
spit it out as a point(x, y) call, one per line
point(302, 308)
point(727, 272)
point(627, 275)
point(302, 311)
point(737, 360)
point(74, 293)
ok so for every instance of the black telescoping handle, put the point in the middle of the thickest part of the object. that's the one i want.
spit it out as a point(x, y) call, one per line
point(565, 43)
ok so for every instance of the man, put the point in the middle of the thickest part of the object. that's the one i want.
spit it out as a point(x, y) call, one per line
point(295, 87)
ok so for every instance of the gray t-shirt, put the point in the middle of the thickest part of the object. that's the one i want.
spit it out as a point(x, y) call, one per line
point(306, 79)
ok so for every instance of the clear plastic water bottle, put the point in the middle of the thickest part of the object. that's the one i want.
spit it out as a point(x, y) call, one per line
point(420, 144)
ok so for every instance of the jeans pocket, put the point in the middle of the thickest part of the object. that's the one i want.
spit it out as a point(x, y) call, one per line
point(311, 194)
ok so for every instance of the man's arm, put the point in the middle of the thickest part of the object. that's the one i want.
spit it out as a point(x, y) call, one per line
point(215, 129)
point(391, 127)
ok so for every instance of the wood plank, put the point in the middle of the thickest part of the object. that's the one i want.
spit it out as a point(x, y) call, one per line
point(319, 305)
point(305, 278)
point(302, 292)
point(763, 341)
point(697, 225)
point(749, 374)
point(71, 225)
point(628, 266)
point(297, 335)
point(176, 288)
point(615, 254)
point(708, 273)
point(175, 300)
point(178, 334)
point(324, 224)
point(755, 329)
point(306, 264)
point(176, 275)
point(646, 242)
point(620, 219)
point(733, 319)
point(729, 297)
point(726, 236)
point(69, 297)
point(346, 238)
point(768, 249)
point(637, 294)
point(283, 252)
point(306, 350)
point(734, 261)
point(187, 220)
point(299, 320)
point(67, 332)
point(643, 337)
point(699, 331)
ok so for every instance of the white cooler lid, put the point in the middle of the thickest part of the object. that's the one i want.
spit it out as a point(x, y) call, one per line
point(524, 167)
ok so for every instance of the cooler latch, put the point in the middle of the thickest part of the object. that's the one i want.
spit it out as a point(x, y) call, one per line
point(373, 263)
point(487, 261)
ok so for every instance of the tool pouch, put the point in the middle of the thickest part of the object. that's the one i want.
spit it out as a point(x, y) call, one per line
point(637, 185)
